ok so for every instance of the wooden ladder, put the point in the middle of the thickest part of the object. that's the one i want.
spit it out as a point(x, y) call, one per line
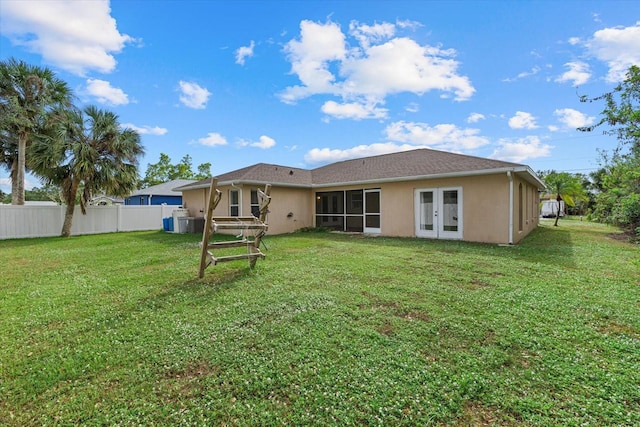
point(243, 223)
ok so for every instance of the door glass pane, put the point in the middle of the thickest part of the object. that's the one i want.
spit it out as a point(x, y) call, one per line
point(372, 221)
point(426, 210)
point(449, 216)
point(372, 199)
point(354, 224)
point(354, 202)
point(331, 202)
point(335, 222)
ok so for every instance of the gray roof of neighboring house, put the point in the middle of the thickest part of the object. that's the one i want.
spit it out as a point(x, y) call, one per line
point(164, 189)
point(405, 165)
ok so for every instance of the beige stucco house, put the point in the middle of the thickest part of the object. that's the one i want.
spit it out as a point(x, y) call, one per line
point(419, 193)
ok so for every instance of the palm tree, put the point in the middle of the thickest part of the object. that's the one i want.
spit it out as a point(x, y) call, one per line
point(565, 187)
point(26, 93)
point(85, 153)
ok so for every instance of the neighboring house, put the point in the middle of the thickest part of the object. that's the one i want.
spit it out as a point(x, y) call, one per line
point(418, 193)
point(549, 208)
point(103, 200)
point(161, 194)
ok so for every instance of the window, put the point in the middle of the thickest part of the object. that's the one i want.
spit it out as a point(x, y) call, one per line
point(255, 205)
point(520, 208)
point(234, 207)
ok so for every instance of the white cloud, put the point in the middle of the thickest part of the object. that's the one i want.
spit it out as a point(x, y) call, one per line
point(354, 110)
point(573, 119)
point(442, 137)
point(619, 47)
point(376, 65)
point(413, 107)
point(328, 155)
point(193, 95)
point(574, 41)
point(264, 142)
point(244, 52)
point(521, 149)
point(78, 36)
point(522, 120)
point(212, 140)
point(5, 184)
point(522, 75)
point(368, 34)
point(145, 130)
point(475, 117)
point(105, 93)
point(578, 73)
point(310, 56)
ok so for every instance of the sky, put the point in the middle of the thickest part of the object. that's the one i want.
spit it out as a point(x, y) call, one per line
point(306, 83)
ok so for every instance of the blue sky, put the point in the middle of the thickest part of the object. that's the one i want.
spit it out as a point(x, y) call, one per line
point(305, 83)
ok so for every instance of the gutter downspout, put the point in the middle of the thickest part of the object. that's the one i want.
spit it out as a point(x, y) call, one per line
point(510, 176)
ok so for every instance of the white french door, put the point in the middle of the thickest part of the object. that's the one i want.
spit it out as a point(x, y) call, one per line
point(438, 212)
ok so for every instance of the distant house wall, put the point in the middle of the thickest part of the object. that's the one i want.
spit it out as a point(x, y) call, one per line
point(155, 200)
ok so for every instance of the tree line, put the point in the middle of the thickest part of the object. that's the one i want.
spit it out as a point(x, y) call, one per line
point(81, 152)
point(611, 194)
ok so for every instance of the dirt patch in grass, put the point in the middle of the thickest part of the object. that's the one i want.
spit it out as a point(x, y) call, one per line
point(475, 414)
point(615, 328)
point(386, 329)
point(414, 314)
point(187, 383)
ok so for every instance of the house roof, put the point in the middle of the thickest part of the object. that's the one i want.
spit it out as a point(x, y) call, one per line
point(402, 166)
point(165, 189)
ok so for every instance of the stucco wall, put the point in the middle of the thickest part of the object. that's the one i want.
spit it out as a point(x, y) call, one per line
point(284, 200)
point(485, 204)
point(528, 206)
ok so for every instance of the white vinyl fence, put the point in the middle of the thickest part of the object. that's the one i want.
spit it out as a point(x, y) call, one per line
point(43, 221)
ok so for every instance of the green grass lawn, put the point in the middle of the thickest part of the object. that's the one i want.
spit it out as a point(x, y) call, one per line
point(330, 329)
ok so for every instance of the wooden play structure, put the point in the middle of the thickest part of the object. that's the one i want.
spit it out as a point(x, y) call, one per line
point(244, 224)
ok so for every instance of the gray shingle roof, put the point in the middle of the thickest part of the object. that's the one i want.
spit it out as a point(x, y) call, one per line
point(164, 189)
point(407, 165)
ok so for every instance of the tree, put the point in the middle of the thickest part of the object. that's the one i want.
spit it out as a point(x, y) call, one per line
point(564, 187)
point(618, 202)
point(86, 152)
point(164, 171)
point(26, 93)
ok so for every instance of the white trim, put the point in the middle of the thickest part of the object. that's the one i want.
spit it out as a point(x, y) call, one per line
point(365, 229)
point(438, 231)
point(510, 176)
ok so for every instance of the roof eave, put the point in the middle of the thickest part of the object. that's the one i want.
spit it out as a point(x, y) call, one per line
point(244, 182)
point(515, 169)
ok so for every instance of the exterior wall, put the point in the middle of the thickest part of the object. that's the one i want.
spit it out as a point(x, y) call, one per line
point(284, 201)
point(155, 200)
point(485, 204)
point(525, 210)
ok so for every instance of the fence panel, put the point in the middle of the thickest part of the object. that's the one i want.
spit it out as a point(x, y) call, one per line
point(45, 221)
point(30, 221)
